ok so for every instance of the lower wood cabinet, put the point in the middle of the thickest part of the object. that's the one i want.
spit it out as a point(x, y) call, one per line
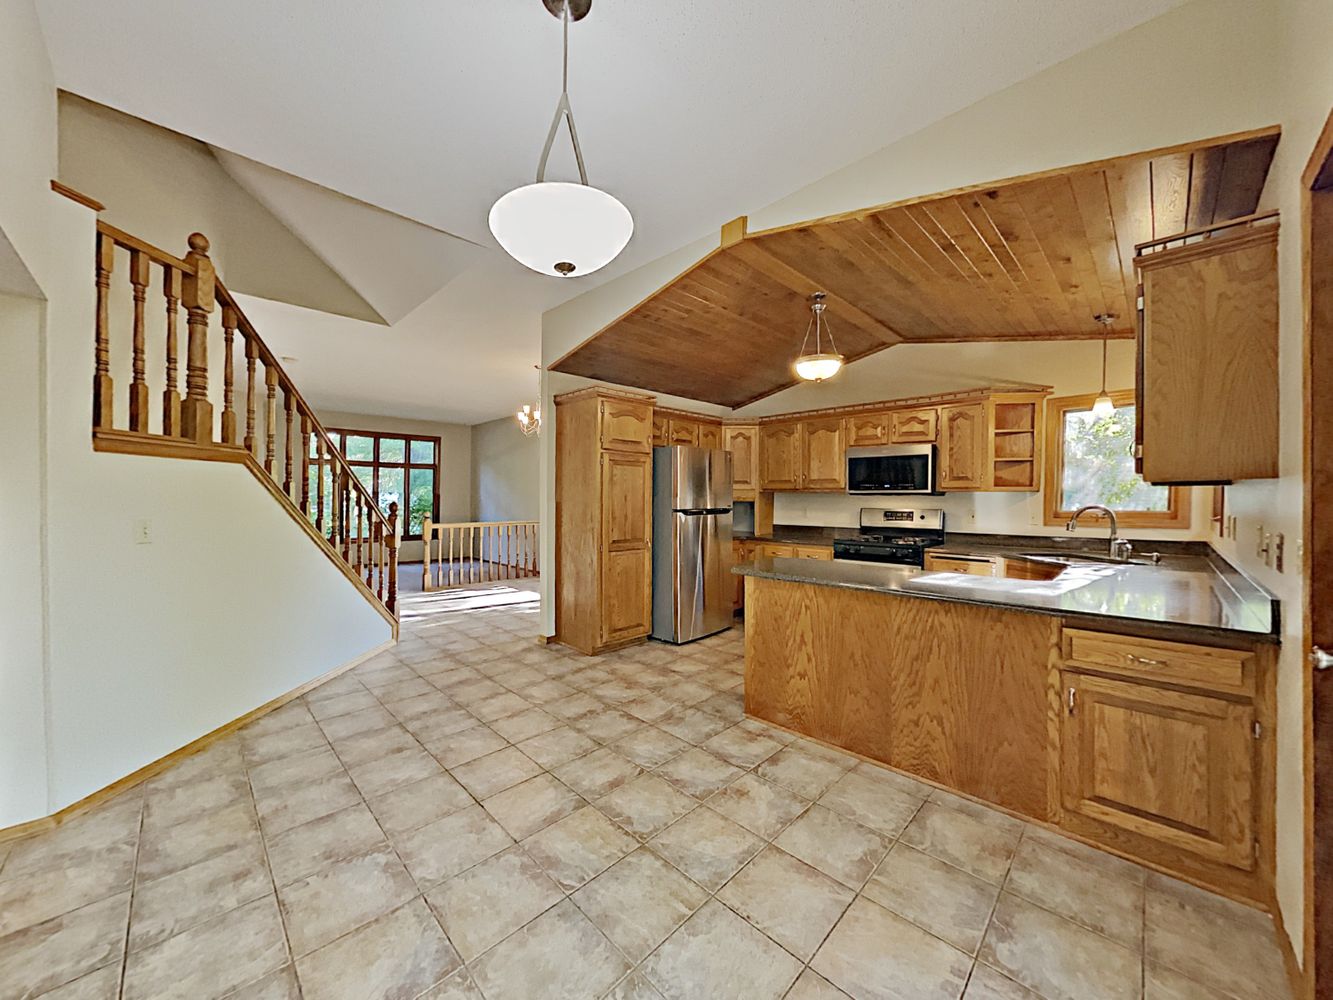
point(1172, 766)
point(626, 600)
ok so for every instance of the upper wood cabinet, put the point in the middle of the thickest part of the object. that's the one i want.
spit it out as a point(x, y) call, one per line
point(743, 443)
point(1171, 766)
point(710, 435)
point(660, 429)
point(1208, 355)
point(780, 456)
point(823, 455)
point(864, 429)
point(626, 425)
point(963, 450)
point(914, 426)
point(682, 430)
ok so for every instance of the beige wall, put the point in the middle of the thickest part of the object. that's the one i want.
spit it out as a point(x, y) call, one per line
point(505, 483)
point(1208, 67)
point(454, 474)
point(160, 185)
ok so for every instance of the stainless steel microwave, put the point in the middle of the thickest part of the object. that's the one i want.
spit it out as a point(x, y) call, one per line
point(895, 468)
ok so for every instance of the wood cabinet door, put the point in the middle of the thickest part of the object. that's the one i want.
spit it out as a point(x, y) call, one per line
point(1168, 765)
point(660, 421)
point(963, 451)
point(867, 429)
point(626, 425)
point(627, 597)
point(824, 455)
point(627, 502)
point(914, 426)
point(682, 430)
point(780, 457)
point(1209, 401)
point(742, 442)
point(710, 435)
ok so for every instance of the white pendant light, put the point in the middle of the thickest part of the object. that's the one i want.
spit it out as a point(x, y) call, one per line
point(1104, 406)
point(818, 365)
point(555, 227)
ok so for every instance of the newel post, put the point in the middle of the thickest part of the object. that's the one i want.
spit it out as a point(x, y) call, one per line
point(392, 602)
point(198, 293)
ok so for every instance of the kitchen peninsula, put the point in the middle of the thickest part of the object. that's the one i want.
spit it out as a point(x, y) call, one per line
point(1130, 705)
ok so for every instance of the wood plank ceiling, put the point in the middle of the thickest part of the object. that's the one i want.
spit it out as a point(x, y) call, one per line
point(1029, 259)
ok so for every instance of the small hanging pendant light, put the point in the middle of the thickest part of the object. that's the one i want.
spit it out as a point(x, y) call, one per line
point(554, 227)
point(1104, 406)
point(529, 415)
point(818, 365)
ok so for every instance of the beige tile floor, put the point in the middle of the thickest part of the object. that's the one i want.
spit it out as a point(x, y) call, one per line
point(475, 816)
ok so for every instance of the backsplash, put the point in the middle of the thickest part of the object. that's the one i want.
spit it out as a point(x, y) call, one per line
point(992, 513)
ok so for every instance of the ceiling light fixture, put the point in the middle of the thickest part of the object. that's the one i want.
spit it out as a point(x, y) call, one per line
point(820, 364)
point(557, 228)
point(529, 415)
point(1104, 406)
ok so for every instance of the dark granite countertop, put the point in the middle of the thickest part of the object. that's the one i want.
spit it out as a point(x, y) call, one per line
point(797, 534)
point(1189, 594)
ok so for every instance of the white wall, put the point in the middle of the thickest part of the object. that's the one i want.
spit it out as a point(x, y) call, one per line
point(1208, 67)
point(454, 472)
point(113, 654)
point(505, 483)
point(161, 186)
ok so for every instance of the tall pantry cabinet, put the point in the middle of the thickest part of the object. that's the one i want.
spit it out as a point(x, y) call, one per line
point(603, 515)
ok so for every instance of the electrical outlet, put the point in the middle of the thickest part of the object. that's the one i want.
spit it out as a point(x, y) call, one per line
point(1279, 543)
point(1262, 544)
point(143, 532)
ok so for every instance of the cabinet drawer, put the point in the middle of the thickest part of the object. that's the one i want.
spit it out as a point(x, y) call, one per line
point(776, 550)
point(959, 564)
point(1226, 670)
point(813, 552)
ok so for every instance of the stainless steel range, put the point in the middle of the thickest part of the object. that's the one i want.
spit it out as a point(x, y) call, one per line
point(896, 536)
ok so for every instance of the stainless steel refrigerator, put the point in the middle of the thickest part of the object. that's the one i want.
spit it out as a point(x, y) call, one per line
point(692, 583)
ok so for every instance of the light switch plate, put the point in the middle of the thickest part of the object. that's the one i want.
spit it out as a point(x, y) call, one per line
point(143, 532)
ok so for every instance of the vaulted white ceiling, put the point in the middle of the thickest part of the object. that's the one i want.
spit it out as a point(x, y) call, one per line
point(690, 111)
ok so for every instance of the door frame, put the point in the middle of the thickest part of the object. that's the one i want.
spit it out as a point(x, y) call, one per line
point(1317, 309)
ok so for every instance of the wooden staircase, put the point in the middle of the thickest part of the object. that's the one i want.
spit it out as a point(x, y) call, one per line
point(263, 422)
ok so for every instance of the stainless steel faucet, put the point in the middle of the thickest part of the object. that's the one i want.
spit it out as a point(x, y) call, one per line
point(1119, 549)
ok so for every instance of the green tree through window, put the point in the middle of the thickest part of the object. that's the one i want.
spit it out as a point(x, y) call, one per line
point(1099, 464)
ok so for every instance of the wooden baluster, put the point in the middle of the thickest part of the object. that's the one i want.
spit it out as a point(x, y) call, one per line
point(139, 274)
point(171, 397)
point(305, 465)
point(425, 552)
point(251, 356)
point(392, 602)
point(198, 292)
point(373, 533)
point(347, 517)
point(335, 504)
point(448, 567)
point(103, 387)
point(230, 320)
point(270, 415)
point(319, 487)
point(376, 554)
point(360, 530)
point(289, 404)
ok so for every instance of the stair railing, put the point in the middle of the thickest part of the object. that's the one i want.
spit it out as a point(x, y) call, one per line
point(463, 552)
point(280, 438)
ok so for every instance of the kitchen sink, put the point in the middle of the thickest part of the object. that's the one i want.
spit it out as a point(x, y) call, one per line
point(1080, 558)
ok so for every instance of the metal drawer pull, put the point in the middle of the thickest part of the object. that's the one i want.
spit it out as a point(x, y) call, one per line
point(1072, 698)
point(1144, 661)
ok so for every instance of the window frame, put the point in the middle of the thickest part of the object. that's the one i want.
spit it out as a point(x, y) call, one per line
point(375, 464)
point(1177, 514)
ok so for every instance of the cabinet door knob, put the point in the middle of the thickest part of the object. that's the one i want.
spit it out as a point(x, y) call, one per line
point(1319, 659)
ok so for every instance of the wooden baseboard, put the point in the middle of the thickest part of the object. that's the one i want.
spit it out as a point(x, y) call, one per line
point(176, 756)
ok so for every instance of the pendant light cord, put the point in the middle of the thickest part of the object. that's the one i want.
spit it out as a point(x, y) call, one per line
point(564, 111)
